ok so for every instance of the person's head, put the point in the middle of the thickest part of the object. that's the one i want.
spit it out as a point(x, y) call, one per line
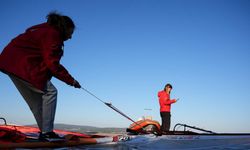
point(62, 23)
point(168, 87)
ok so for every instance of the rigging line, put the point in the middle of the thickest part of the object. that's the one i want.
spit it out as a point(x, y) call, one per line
point(117, 110)
point(111, 106)
point(92, 95)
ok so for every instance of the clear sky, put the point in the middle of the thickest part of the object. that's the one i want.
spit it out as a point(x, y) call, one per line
point(125, 51)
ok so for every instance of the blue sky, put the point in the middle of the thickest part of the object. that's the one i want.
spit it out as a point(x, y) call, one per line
point(126, 51)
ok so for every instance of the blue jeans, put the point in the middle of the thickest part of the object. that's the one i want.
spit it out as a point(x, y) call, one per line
point(41, 103)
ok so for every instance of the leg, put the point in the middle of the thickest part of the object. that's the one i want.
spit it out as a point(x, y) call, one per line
point(49, 110)
point(49, 107)
point(32, 96)
point(163, 121)
point(168, 121)
point(165, 125)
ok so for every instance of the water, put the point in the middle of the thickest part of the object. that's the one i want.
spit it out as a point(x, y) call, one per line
point(151, 142)
point(164, 143)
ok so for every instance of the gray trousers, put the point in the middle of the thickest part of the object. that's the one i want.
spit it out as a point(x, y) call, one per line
point(41, 103)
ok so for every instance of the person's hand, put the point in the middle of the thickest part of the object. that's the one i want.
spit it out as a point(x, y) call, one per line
point(174, 100)
point(76, 84)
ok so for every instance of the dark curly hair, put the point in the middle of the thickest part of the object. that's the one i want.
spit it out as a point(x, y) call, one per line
point(62, 23)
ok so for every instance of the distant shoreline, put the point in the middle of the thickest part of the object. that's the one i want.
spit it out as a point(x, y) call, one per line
point(88, 129)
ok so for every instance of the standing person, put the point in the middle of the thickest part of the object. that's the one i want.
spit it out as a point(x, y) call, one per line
point(165, 107)
point(31, 59)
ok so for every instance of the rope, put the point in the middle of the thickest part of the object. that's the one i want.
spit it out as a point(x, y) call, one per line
point(111, 106)
point(118, 111)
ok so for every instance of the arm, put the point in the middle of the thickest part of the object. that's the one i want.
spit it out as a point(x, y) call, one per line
point(52, 53)
point(169, 102)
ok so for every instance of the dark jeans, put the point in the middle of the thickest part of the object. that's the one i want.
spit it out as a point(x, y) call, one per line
point(165, 121)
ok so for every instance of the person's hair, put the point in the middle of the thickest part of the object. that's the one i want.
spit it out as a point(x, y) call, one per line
point(167, 85)
point(62, 23)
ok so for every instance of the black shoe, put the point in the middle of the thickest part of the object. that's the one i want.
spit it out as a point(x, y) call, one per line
point(50, 137)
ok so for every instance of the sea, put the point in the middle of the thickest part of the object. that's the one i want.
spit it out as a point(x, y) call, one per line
point(151, 142)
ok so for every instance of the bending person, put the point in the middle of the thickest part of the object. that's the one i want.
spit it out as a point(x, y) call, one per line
point(32, 59)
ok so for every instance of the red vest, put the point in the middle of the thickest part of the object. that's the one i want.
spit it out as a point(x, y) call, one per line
point(165, 101)
point(34, 56)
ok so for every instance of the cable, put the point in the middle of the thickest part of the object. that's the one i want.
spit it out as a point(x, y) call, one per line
point(111, 106)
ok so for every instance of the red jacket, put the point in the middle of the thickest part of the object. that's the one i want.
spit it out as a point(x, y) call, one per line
point(34, 56)
point(165, 101)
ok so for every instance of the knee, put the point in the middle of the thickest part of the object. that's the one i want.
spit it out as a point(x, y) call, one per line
point(54, 91)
